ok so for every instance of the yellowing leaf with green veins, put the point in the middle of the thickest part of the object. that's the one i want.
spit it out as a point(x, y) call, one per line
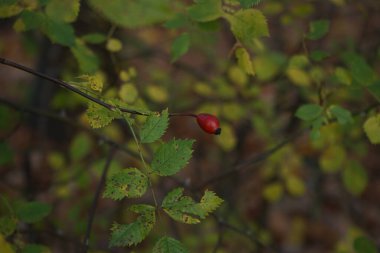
point(99, 116)
point(185, 209)
point(244, 61)
point(372, 129)
point(248, 24)
point(114, 45)
point(332, 159)
point(154, 127)
point(63, 10)
point(128, 93)
point(169, 245)
point(131, 183)
point(133, 233)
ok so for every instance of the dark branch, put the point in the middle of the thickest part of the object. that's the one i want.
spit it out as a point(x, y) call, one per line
point(96, 198)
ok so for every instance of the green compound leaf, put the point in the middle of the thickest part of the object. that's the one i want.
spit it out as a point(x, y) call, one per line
point(248, 3)
point(131, 183)
point(244, 61)
point(206, 10)
point(359, 69)
point(185, 209)
point(63, 10)
point(342, 115)
point(318, 29)
point(169, 245)
point(31, 212)
point(355, 178)
point(309, 112)
point(135, 13)
point(372, 129)
point(99, 116)
point(364, 245)
point(86, 58)
point(180, 46)
point(154, 127)
point(135, 232)
point(182, 208)
point(210, 202)
point(248, 24)
point(172, 156)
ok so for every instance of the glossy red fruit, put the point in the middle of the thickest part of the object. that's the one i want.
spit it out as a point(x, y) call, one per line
point(209, 123)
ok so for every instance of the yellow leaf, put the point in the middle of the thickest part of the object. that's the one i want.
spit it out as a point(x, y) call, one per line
point(114, 45)
point(298, 76)
point(237, 75)
point(227, 139)
point(372, 129)
point(332, 158)
point(244, 61)
point(128, 93)
point(5, 247)
point(157, 93)
point(273, 192)
point(295, 186)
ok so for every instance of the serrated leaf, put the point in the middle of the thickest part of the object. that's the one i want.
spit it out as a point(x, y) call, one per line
point(135, 232)
point(318, 29)
point(355, 178)
point(94, 38)
point(309, 112)
point(359, 69)
point(31, 212)
point(80, 146)
point(248, 3)
point(154, 127)
point(210, 202)
point(172, 156)
point(131, 183)
point(182, 208)
point(99, 116)
point(372, 129)
point(169, 245)
point(180, 46)
point(244, 61)
point(135, 13)
point(364, 245)
point(86, 58)
point(342, 115)
point(206, 10)
point(248, 24)
point(63, 10)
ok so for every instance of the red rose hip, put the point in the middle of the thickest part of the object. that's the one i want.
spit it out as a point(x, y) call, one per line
point(209, 123)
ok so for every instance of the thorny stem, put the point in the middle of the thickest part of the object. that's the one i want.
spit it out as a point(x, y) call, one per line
point(78, 91)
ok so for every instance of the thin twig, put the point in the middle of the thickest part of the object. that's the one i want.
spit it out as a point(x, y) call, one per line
point(38, 112)
point(96, 198)
point(78, 91)
point(249, 162)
